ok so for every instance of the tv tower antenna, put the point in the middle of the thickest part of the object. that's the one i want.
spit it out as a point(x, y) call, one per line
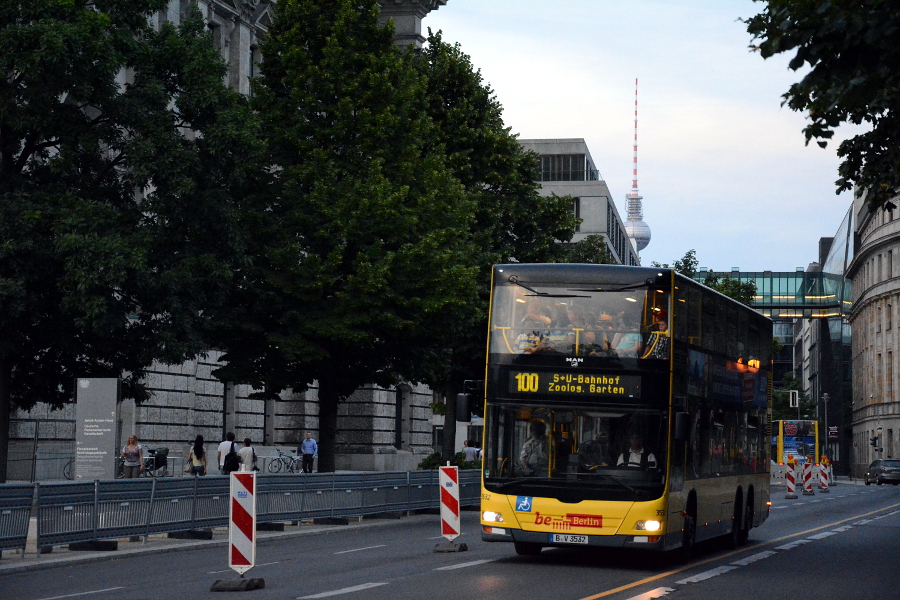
point(635, 227)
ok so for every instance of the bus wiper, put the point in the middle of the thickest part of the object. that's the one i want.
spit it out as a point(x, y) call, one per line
point(534, 292)
point(634, 286)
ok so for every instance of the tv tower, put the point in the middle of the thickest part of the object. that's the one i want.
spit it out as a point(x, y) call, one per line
point(637, 230)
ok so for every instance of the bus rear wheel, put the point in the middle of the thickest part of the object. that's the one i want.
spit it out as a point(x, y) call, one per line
point(527, 548)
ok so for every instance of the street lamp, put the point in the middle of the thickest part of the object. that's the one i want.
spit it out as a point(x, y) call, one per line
point(825, 413)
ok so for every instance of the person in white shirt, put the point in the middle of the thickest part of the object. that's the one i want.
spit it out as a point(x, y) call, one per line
point(225, 448)
point(637, 456)
point(248, 456)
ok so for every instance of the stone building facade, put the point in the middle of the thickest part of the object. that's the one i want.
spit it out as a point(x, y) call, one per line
point(875, 319)
point(379, 429)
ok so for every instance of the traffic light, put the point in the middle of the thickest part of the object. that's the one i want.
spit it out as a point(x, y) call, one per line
point(873, 441)
point(794, 399)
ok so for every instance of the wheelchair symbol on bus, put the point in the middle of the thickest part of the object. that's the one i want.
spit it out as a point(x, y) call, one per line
point(523, 503)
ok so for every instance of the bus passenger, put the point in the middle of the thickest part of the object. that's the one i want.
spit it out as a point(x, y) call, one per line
point(637, 456)
point(627, 342)
point(658, 343)
point(529, 341)
point(533, 458)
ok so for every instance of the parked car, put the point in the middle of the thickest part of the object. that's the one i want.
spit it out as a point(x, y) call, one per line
point(883, 471)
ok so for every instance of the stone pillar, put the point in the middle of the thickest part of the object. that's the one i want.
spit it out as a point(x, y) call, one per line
point(407, 16)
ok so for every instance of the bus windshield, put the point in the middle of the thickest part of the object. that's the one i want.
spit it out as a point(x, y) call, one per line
point(621, 321)
point(575, 452)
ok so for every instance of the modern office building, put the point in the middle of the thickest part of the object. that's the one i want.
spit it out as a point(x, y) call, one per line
point(810, 309)
point(567, 169)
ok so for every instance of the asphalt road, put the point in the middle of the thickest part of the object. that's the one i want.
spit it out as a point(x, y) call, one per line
point(845, 545)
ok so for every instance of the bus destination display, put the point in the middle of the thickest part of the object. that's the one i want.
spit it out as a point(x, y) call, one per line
point(577, 384)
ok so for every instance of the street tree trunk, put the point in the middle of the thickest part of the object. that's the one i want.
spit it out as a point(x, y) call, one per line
point(5, 411)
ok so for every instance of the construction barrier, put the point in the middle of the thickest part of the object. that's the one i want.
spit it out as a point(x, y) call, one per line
point(808, 479)
point(111, 509)
point(823, 479)
point(791, 482)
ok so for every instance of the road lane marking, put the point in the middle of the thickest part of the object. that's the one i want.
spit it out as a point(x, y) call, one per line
point(707, 574)
point(755, 557)
point(823, 535)
point(83, 593)
point(347, 590)
point(653, 594)
point(792, 545)
point(361, 549)
point(658, 576)
point(440, 537)
point(463, 565)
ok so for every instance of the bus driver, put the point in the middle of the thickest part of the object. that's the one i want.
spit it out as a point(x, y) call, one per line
point(637, 456)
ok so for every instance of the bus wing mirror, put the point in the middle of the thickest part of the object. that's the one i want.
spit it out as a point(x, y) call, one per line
point(682, 426)
point(463, 406)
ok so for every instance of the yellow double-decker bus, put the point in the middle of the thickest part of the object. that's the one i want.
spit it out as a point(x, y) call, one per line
point(625, 407)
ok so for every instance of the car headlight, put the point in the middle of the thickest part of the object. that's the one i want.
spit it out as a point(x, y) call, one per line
point(491, 516)
point(648, 526)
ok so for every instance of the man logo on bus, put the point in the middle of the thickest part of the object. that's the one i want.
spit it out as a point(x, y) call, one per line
point(523, 504)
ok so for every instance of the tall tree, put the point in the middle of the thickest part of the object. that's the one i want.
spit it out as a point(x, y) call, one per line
point(117, 226)
point(512, 221)
point(363, 250)
point(853, 52)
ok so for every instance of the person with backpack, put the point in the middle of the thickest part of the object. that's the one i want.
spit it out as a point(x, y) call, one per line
point(226, 447)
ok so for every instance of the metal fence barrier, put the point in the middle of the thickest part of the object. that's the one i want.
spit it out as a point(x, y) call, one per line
point(15, 510)
point(111, 509)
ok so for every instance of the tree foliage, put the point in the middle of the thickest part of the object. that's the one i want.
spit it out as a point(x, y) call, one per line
point(513, 222)
point(117, 229)
point(363, 252)
point(853, 51)
point(592, 250)
point(781, 408)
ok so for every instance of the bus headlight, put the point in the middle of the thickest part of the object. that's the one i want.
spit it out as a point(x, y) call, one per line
point(648, 526)
point(491, 516)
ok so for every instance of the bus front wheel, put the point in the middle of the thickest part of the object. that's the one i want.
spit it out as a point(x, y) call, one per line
point(527, 548)
point(688, 539)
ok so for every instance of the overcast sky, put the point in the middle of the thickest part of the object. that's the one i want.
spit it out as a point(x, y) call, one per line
point(722, 167)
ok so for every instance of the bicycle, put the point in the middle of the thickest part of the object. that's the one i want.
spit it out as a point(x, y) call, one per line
point(287, 462)
point(155, 465)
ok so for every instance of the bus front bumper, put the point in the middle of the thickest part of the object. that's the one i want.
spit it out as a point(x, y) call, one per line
point(543, 538)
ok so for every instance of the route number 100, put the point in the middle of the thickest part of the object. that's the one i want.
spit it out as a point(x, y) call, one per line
point(528, 382)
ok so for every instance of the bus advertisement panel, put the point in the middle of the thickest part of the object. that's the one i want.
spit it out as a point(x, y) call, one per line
point(797, 440)
point(624, 407)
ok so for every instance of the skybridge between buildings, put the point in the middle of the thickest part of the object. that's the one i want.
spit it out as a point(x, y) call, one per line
point(793, 295)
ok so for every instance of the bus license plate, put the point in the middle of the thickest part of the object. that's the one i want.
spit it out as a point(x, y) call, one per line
point(564, 538)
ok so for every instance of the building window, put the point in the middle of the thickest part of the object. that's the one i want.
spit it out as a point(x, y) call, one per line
point(563, 167)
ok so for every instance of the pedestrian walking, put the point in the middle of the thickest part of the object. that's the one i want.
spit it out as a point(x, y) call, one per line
point(310, 450)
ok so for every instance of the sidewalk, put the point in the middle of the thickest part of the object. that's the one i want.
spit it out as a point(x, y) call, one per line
point(13, 562)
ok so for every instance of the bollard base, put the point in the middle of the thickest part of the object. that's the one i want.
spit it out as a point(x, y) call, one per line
point(331, 521)
point(276, 526)
point(238, 585)
point(450, 547)
point(95, 546)
point(192, 534)
point(824, 491)
point(791, 497)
